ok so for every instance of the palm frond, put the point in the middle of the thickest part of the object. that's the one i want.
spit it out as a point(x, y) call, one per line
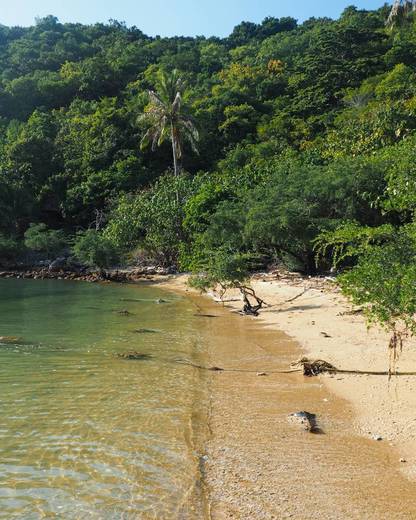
point(155, 139)
point(164, 132)
point(400, 10)
point(146, 139)
point(155, 99)
point(190, 133)
point(177, 103)
point(191, 128)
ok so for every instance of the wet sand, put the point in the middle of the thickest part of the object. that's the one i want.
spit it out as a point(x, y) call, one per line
point(260, 465)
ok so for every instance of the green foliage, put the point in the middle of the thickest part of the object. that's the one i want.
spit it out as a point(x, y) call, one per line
point(384, 281)
point(277, 213)
point(71, 95)
point(165, 117)
point(397, 83)
point(152, 220)
point(306, 139)
point(39, 237)
point(94, 249)
point(239, 121)
point(10, 248)
point(401, 178)
point(350, 241)
point(224, 268)
point(125, 228)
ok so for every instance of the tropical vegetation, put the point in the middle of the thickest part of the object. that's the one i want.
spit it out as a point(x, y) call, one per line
point(285, 143)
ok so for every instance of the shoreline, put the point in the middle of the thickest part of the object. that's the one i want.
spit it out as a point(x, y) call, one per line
point(312, 312)
point(121, 275)
point(255, 464)
point(303, 309)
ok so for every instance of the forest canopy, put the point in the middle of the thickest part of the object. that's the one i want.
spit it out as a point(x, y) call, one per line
point(283, 133)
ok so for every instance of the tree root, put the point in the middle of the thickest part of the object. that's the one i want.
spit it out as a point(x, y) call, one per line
point(306, 366)
point(314, 368)
point(249, 309)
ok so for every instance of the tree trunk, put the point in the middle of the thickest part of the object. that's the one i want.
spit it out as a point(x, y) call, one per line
point(174, 151)
point(175, 159)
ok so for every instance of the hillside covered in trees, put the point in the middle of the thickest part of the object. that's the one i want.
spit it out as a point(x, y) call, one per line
point(301, 143)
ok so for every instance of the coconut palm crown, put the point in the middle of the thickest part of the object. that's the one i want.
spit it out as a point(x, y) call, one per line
point(167, 118)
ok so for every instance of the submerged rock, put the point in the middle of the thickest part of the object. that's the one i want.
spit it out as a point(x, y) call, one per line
point(59, 264)
point(135, 356)
point(124, 313)
point(10, 340)
point(306, 420)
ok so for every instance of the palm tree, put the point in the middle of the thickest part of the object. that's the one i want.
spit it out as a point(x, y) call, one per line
point(400, 11)
point(168, 118)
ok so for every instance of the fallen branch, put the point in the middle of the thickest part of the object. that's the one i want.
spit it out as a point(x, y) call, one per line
point(305, 290)
point(250, 309)
point(291, 299)
point(307, 367)
point(314, 368)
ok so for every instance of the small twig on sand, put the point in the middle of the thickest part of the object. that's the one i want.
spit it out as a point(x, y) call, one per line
point(305, 290)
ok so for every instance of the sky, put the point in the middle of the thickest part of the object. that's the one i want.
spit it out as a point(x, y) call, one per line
point(173, 17)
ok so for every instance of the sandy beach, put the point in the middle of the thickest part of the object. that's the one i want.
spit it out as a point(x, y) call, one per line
point(259, 466)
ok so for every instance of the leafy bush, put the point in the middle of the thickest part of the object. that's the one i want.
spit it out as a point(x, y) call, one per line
point(42, 239)
point(94, 249)
point(383, 280)
point(279, 216)
point(153, 219)
point(349, 241)
point(125, 228)
point(222, 267)
point(9, 248)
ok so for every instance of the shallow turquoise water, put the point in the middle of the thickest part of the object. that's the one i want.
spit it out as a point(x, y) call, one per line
point(84, 434)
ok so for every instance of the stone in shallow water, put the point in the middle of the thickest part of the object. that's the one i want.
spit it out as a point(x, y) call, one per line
point(306, 420)
point(124, 313)
point(10, 340)
point(135, 356)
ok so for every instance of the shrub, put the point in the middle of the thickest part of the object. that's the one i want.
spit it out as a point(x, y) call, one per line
point(9, 248)
point(152, 220)
point(94, 249)
point(42, 239)
point(383, 280)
